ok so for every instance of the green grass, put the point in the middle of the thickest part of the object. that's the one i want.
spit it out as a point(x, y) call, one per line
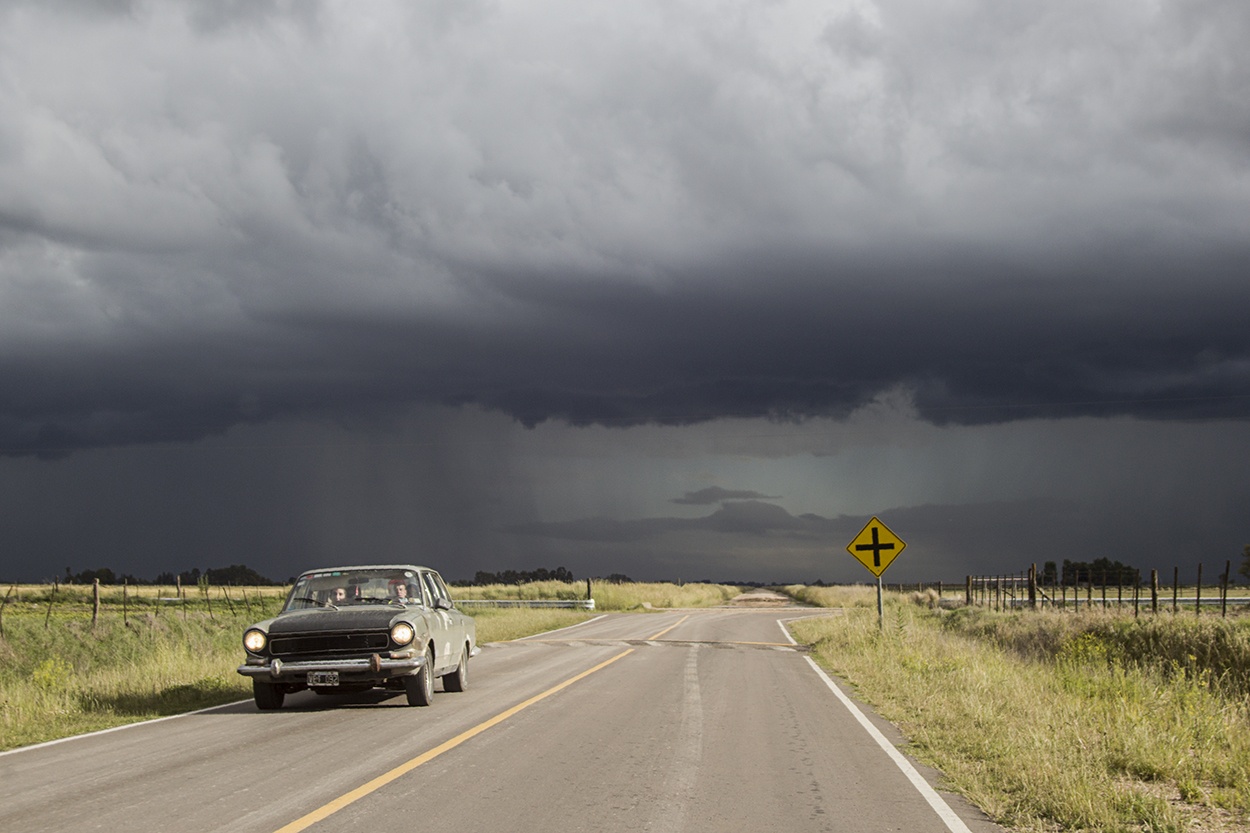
point(1058, 721)
point(67, 677)
point(502, 624)
point(638, 595)
point(841, 596)
point(631, 596)
point(70, 678)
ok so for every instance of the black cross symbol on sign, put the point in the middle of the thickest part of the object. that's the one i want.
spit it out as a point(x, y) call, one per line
point(876, 546)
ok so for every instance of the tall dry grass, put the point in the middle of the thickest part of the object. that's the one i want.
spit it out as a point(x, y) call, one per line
point(503, 624)
point(845, 595)
point(60, 676)
point(69, 677)
point(628, 596)
point(1046, 724)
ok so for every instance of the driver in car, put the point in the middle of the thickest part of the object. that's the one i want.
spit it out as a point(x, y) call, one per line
point(404, 593)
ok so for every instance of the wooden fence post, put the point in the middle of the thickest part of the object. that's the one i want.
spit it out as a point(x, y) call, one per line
point(95, 601)
point(968, 591)
point(1033, 587)
point(125, 602)
point(51, 599)
point(1228, 565)
point(2, 604)
point(1176, 580)
point(1154, 591)
point(1198, 593)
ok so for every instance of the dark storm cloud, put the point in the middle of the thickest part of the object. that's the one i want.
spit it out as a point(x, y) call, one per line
point(715, 494)
point(944, 541)
point(977, 350)
point(913, 236)
point(751, 517)
point(772, 211)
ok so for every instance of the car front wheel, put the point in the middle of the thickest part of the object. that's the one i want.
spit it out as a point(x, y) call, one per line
point(458, 680)
point(420, 686)
point(267, 695)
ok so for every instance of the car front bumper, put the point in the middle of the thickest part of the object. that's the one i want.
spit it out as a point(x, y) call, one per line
point(373, 668)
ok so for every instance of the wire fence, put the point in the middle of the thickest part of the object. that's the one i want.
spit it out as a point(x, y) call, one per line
point(1089, 589)
point(257, 602)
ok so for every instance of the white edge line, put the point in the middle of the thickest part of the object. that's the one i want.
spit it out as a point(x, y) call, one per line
point(118, 728)
point(781, 623)
point(565, 628)
point(953, 822)
point(47, 743)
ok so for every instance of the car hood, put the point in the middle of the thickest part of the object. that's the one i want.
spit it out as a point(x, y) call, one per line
point(323, 620)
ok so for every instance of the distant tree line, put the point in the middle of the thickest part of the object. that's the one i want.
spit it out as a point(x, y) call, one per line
point(235, 574)
point(522, 576)
point(1098, 570)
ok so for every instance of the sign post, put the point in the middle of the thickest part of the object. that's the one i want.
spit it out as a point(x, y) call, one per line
point(876, 547)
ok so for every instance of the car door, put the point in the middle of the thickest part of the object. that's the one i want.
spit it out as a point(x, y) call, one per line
point(463, 628)
point(442, 623)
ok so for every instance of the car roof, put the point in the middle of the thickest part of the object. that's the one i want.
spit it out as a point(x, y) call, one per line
point(350, 567)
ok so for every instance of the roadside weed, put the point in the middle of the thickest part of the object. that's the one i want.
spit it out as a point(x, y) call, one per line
point(1062, 728)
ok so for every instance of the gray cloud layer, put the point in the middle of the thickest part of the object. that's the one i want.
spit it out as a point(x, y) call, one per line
point(658, 212)
point(226, 220)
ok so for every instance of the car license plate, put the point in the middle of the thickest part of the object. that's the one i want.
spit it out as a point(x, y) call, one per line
point(323, 678)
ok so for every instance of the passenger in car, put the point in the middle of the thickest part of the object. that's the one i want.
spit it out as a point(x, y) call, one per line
point(404, 593)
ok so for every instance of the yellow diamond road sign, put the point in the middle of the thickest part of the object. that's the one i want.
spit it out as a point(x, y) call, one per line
point(876, 547)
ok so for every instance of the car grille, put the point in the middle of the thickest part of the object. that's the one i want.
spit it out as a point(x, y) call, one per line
point(328, 643)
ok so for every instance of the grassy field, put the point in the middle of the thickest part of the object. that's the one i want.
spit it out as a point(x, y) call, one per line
point(152, 653)
point(1058, 721)
point(633, 596)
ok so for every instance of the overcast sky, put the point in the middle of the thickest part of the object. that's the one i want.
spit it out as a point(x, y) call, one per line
point(665, 288)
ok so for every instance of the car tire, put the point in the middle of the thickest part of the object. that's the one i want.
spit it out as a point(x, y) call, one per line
point(420, 686)
point(458, 680)
point(267, 695)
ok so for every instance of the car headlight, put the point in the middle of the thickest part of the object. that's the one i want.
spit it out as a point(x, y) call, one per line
point(254, 640)
point(402, 633)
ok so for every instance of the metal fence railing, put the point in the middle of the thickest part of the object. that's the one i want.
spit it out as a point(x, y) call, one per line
point(578, 604)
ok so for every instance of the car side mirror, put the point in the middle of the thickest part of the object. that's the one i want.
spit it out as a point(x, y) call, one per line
point(443, 604)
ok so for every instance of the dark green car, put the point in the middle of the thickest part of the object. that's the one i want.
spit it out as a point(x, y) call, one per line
point(346, 629)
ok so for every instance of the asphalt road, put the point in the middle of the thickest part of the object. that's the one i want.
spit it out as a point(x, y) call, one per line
point(701, 720)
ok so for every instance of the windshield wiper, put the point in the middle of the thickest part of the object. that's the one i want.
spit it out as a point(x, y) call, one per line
point(314, 601)
point(375, 600)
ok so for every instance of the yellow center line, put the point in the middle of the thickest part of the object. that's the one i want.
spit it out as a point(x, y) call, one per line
point(382, 780)
point(617, 641)
point(670, 627)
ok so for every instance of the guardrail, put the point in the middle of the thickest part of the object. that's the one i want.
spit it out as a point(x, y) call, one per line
point(577, 604)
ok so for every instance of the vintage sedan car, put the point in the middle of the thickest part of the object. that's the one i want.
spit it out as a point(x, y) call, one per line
point(348, 629)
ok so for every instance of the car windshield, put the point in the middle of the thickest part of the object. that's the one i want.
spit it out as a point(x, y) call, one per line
point(333, 589)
